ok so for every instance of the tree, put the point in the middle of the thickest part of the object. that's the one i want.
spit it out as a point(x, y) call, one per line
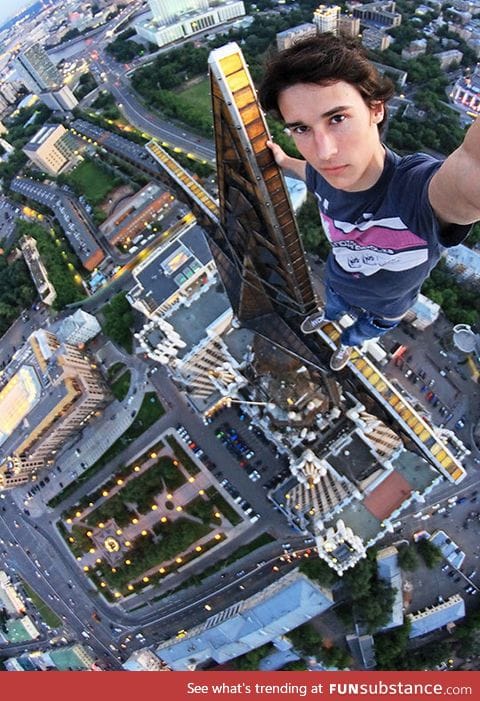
point(118, 320)
point(318, 570)
point(390, 648)
point(429, 552)
point(407, 558)
point(306, 639)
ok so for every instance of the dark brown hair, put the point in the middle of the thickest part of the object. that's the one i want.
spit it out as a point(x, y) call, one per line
point(324, 59)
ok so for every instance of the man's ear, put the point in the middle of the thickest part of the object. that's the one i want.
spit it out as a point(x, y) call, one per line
point(378, 112)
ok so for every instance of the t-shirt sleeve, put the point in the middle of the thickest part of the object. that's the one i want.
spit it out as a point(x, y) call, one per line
point(310, 178)
point(416, 172)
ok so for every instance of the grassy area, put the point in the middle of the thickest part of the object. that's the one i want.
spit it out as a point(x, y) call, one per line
point(147, 552)
point(121, 385)
point(92, 181)
point(199, 95)
point(60, 261)
point(195, 579)
point(224, 506)
point(50, 618)
point(178, 451)
point(150, 411)
point(115, 369)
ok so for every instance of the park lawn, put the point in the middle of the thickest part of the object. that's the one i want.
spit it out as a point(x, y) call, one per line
point(199, 95)
point(49, 616)
point(93, 181)
point(121, 386)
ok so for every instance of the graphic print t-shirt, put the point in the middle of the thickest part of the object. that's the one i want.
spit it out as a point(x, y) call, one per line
point(385, 240)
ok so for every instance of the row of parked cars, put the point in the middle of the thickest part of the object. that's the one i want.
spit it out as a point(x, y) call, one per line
point(254, 475)
point(238, 499)
point(234, 442)
point(185, 436)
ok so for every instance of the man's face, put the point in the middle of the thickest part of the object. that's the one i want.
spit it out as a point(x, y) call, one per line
point(336, 132)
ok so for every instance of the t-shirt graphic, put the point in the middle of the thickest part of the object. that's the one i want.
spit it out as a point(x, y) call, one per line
point(375, 244)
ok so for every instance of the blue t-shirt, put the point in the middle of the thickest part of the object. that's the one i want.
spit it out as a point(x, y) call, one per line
point(385, 240)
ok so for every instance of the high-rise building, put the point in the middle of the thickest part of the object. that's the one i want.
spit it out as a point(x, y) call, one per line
point(49, 392)
point(39, 75)
point(37, 71)
point(349, 26)
point(379, 14)
point(167, 11)
point(61, 100)
point(326, 18)
point(174, 20)
point(50, 149)
point(287, 389)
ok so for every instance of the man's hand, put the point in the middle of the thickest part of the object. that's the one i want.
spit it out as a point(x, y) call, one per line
point(278, 153)
point(293, 165)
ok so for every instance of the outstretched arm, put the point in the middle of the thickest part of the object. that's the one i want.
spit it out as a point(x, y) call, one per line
point(454, 190)
point(293, 165)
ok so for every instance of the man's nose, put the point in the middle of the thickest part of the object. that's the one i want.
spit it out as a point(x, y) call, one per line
point(325, 145)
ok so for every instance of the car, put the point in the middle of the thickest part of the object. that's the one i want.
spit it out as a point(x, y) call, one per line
point(445, 568)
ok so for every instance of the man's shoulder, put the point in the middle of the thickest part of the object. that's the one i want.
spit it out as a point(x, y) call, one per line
point(419, 161)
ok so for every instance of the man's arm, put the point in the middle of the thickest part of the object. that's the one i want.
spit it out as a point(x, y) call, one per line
point(454, 190)
point(295, 166)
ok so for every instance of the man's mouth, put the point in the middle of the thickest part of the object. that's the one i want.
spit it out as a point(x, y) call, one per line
point(333, 170)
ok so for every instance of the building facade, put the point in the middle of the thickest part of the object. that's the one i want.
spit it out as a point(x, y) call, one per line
point(37, 269)
point(288, 37)
point(381, 14)
point(326, 18)
point(173, 20)
point(50, 392)
point(36, 70)
point(51, 149)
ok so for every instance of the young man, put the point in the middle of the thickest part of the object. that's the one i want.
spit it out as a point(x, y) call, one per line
point(386, 217)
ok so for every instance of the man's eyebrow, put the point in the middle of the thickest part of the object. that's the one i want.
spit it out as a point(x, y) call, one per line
point(329, 113)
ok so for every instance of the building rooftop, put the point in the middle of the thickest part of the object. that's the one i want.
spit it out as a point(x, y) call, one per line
point(389, 570)
point(437, 617)
point(42, 135)
point(167, 271)
point(280, 607)
point(192, 321)
point(70, 658)
point(17, 399)
point(355, 461)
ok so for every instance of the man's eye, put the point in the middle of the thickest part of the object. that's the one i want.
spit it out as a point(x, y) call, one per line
point(337, 118)
point(300, 130)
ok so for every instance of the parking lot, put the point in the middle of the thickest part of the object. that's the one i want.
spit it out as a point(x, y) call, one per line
point(246, 479)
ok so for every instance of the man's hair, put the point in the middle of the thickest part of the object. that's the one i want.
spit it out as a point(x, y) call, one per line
point(324, 59)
